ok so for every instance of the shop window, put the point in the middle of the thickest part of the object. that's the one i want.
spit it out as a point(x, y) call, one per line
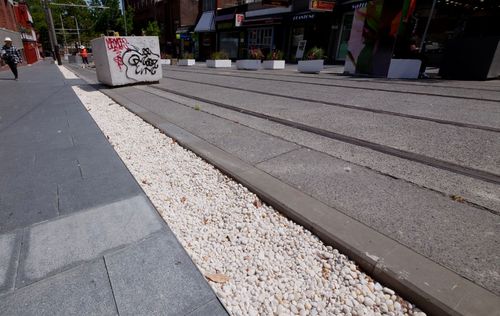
point(260, 38)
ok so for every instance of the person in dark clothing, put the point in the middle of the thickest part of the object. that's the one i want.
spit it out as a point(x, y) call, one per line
point(10, 55)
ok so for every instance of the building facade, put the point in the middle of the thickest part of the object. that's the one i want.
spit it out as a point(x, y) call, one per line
point(8, 25)
point(176, 20)
point(28, 36)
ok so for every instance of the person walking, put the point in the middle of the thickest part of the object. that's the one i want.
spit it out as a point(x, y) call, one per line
point(85, 55)
point(10, 55)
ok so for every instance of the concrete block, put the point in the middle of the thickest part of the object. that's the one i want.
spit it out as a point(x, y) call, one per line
point(219, 63)
point(127, 60)
point(273, 64)
point(248, 64)
point(404, 69)
point(157, 277)
point(310, 66)
point(84, 290)
point(56, 245)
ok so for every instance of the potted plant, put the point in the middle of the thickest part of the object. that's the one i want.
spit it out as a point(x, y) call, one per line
point(219, 60)
point(166, 59)
point(314, 61)
point(253, 63)
point(186, 60)
point(274, 60)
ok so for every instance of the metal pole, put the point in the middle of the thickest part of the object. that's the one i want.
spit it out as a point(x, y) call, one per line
point(124, 12)
point(64, 33)
point(77, 30)
point(424, 36)
point(54, 43)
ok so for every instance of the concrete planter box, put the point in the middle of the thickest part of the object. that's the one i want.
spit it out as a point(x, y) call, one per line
point(248, 64)
point(126, 60)
point(219, 63)
point(166, 61)
point(186, 62)
point(273, 64)
point(404, 69)
point(310, 66)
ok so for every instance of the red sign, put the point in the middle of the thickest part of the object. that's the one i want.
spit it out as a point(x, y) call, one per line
point(321, 5)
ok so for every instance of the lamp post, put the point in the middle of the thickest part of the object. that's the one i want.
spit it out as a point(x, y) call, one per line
point(77, 30)
point(52, 32)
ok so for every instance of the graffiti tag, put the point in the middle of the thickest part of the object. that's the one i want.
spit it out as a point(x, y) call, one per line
point(140, 62)
point(117, 45)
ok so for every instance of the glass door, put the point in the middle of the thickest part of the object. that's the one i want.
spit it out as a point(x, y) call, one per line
point(345, 33)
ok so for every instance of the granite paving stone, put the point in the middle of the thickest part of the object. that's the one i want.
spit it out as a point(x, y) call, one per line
point(55, 245)
point(84, 290)
point(154, 278)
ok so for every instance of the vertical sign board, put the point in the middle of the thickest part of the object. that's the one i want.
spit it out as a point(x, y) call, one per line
point(373, 36)
point(238, 19)
point(300, 49)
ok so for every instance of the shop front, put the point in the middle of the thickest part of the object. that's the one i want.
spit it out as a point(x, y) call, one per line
point(309, 29)
point(205, 31)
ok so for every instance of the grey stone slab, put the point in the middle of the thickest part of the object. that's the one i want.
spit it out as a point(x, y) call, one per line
point(10, 244)
point(230, 136)
point(97, 190)
point(214, 308)
point(26, 203)
point(157, 277)
point(453, 234)
point(84, 290)
point(64, 242)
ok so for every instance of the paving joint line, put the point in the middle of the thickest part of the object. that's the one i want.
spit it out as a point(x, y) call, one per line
point(110, 284)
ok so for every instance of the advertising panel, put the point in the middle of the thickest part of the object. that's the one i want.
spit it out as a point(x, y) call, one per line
point(321, 5)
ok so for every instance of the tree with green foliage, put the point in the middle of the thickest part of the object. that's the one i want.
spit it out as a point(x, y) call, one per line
point(153, 29)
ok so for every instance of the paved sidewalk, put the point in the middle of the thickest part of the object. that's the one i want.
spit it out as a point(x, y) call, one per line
point(77, 233)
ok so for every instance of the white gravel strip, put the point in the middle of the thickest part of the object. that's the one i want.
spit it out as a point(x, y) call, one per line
point(258, 262)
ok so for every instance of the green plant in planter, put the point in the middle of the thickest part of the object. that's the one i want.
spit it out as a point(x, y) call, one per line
point(275, 55)
point(255, 53)
point(187, 56)
point(219, 55)
point(315, 53)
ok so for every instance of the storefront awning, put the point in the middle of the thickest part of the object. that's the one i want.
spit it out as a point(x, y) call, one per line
point(224, 17)
point(206, 22)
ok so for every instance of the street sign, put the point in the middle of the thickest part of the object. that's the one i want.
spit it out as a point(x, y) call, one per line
point(238, 19)
point(300, 49)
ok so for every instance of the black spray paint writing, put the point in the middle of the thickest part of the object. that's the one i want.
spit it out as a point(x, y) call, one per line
point(140, 62)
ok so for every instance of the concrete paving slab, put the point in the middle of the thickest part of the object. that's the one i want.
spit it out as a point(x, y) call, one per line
point(84, 290)
point(460, 237)
point(157, 277)
point(98, 190)
point(56, 245)
point(213, 308)
point(10, 244)
point(25, 204)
